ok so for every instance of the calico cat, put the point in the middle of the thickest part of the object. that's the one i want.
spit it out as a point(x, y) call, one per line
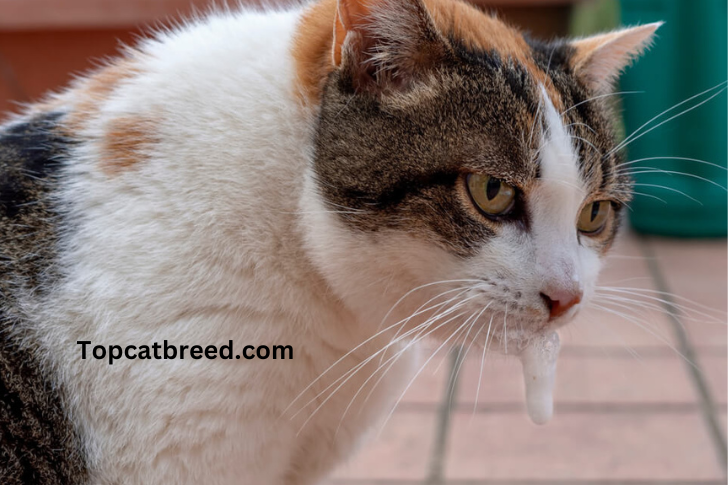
point(338, 180)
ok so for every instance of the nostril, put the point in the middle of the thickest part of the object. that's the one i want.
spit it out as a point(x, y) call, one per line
point(548, 301)
point(558, 307)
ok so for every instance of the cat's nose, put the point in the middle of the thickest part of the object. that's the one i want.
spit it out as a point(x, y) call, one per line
point(561, 300)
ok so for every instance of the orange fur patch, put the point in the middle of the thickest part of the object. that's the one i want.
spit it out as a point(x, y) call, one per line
point(125, 139)
point(314, 49)
point(91, 92)
point(478, 30)
point(126, 142)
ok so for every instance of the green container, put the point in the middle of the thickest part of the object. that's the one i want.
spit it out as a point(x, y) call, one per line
point(688, 57)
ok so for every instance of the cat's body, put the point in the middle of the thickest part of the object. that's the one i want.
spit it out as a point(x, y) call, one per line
point(201, 271)
point(177, 195)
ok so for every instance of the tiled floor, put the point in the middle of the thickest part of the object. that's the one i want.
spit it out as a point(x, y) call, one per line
point(629, 408)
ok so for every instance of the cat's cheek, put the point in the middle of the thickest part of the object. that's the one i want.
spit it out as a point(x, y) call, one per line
point(591, 262)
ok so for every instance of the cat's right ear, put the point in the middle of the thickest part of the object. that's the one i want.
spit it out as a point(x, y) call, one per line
point(598, 60)
point(384, 45)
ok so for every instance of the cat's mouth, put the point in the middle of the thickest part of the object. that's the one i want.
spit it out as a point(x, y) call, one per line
point(536, 344)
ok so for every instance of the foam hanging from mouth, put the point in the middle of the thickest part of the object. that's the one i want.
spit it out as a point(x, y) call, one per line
point(539, 371)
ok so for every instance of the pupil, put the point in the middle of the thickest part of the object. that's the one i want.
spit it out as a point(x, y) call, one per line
point(492, 188)
point(595, 210)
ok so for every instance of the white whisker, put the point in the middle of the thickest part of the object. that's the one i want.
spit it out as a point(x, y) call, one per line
point(648, 330)
point(599, 97)
point(634, 135)
point(672, 172)
point(482, 363)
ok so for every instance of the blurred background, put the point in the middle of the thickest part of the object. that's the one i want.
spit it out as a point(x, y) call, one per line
point(641, 387)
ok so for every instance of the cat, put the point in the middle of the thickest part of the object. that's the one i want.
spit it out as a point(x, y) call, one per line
point(341, 180)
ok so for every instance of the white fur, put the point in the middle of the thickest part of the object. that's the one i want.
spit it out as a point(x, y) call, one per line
point(201, 244)
point(222, 235)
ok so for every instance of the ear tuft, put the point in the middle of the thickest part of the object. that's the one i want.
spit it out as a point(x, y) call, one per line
point(385, 44)
point(599, 60)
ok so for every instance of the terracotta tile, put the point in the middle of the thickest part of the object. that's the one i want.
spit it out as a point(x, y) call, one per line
point(615, 447)
point(705, 335)
point(401, 452)
point(344, 481)
point(428, 387)
point(625, 264)
point(697, 270)
point(637, 328)
point(583, 379)
point(715, 369)
point(625, 267)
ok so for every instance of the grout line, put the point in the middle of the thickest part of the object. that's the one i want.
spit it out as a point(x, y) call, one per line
point(644, 351)
point(437, 459)
point(707, 403)
point(563, 408)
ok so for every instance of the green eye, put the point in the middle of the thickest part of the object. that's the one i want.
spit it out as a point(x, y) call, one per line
point(594, 217)
point(491, 195)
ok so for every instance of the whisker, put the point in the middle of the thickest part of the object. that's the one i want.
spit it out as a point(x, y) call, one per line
point(575, 137)
point(632, 137)
point(419, 311)
point(505, 329)
point(461, 359)
point(638, 292)
point(577, 123)
point(599, 97)
point(623, 342)
point(642, 194)
point(455, 332)
point(672, 172)
point(685, 159)
point(535, 118)
point(648, 330)
point(482, 363)
point(671, 189)
point(391, 361)
point(349, 374)
point(418, 338)
point(421, 287)
point(378, 334)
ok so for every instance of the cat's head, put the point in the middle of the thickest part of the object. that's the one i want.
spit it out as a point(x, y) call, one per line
point(458, 163)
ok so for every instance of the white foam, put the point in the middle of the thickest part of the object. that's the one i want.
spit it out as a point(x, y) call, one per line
point(539, 372)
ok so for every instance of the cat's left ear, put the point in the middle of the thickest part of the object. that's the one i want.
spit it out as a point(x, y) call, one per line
point(599, 60)
point(385, 44)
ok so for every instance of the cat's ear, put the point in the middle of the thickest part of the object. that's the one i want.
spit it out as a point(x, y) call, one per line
point(599, 60)
point(385, 44)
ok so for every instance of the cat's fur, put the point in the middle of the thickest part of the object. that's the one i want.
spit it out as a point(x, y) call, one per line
point(284, 177)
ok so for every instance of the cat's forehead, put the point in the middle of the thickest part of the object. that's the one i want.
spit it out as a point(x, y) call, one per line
point(465, 26)
point(474, 32)
point(496, 85)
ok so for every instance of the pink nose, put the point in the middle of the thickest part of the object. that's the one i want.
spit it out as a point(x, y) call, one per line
point(561, 301)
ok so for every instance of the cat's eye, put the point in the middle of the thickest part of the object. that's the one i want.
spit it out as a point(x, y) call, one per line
point(492, 196)
point(594, 217)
